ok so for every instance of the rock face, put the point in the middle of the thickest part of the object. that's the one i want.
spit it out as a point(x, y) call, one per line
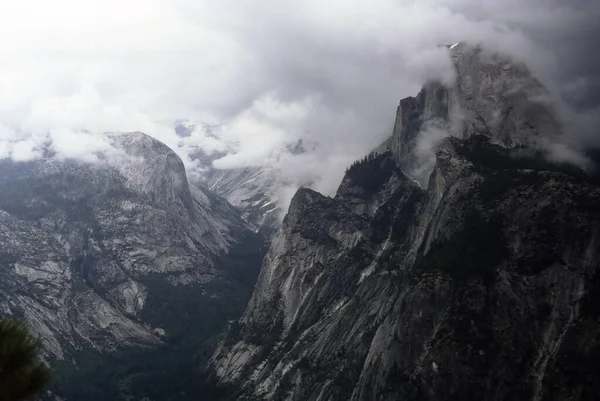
point(252, 191)
point(491, 96)
point(471, 273)
point(85, 247)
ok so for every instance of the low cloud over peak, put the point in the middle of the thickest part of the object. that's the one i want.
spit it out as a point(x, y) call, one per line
point(265, 73)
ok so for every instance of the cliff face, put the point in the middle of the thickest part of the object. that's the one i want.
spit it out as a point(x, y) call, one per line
point(90, 254)
point(470, 273)
point(491, 96)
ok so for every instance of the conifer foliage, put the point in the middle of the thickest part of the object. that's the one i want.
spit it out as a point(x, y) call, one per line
point(371, 172)
point(22, 373)
point(371, 158)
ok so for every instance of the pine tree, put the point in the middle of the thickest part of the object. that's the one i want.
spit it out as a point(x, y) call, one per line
point(22, 373)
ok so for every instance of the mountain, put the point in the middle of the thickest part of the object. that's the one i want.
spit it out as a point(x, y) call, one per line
point(253, 191)
point(454, 263)
point(119, 256)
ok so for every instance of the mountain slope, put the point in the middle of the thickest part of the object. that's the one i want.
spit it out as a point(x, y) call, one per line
point(482, 286)
point(100, 257)
point(251, 190)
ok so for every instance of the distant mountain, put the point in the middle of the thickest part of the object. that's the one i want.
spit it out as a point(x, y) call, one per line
point(251, 190)
point(100, 259)
point(455, 263)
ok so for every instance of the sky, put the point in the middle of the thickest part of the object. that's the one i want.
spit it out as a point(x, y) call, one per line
point(263, 74)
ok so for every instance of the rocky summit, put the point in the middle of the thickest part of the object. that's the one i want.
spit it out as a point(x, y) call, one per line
point(454, 263)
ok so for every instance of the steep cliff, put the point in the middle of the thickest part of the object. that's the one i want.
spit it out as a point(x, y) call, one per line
point(491, 96)
point(455, 264)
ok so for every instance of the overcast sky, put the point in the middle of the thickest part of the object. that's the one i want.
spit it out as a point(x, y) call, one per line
point(268, 72)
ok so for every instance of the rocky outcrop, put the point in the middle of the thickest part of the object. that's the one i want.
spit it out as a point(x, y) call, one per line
point(475, 281)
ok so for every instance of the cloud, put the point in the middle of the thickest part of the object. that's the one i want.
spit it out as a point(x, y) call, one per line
point(428, 140)
point(265, 72)
point(561, 153)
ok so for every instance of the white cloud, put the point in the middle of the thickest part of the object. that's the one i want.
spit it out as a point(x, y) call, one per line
point(428, 140)
point(267, 72)
point(25, 150)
